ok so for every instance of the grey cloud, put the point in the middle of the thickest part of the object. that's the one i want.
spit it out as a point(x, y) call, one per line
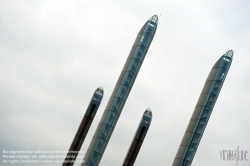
point(53, 55)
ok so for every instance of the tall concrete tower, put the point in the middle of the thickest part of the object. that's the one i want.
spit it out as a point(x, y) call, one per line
point(203, 110)
point(138, 138)
point(120, 93)
point(84, 127)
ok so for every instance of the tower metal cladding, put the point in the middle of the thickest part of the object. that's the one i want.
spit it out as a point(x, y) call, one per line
point(120, 93)
point(203, 110)
point(138, 138)
point(84, 127)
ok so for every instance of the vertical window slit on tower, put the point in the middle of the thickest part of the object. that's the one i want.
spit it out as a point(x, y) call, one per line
point(92, 109)
point(142, 131)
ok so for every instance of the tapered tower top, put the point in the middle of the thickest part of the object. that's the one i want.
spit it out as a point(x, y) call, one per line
point(100, 88)
point(148, 110)
point(154, 19)
point(229, 53)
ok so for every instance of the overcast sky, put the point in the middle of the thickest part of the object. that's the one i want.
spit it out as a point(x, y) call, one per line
point(54, 54)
